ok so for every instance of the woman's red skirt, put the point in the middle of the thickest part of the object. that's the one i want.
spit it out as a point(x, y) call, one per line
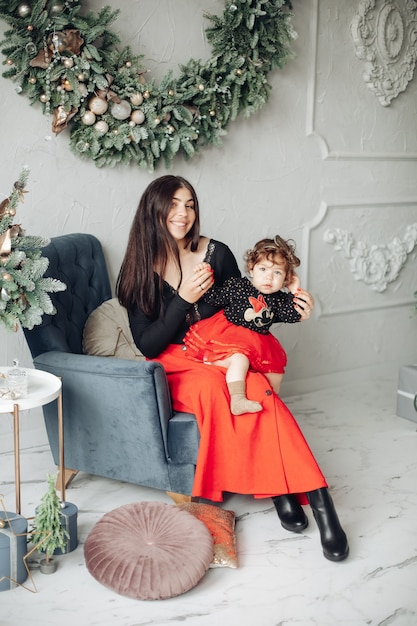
point(263, 454)
point(216, 338)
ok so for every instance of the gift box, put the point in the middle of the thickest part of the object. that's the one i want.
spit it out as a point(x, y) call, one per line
point(69, 515)
point(407, 393)
point(13, 549)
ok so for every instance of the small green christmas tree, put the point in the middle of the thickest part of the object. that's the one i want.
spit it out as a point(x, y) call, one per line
point(24, 292)
point(47, 521)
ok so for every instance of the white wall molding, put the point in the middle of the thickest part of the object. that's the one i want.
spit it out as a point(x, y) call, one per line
point(385, 39)
point(327, 151)
point(375, 265)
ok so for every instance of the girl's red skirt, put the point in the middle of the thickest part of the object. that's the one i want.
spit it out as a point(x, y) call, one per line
point(216, 338)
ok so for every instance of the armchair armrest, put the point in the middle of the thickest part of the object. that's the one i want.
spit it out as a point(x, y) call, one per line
point(118, 374)
point(106, 398)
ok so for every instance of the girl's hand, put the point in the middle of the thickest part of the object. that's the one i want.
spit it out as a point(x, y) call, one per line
point(197, 284)
point(303, 303)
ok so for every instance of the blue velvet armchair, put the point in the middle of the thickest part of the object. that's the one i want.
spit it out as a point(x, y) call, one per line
point(118, 420)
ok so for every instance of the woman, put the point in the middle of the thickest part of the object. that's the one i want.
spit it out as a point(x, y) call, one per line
point(264, 454)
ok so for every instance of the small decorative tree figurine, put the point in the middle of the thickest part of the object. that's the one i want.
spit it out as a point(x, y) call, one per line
point(47, 523)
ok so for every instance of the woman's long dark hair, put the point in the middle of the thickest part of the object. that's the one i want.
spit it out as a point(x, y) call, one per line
point(150, 245)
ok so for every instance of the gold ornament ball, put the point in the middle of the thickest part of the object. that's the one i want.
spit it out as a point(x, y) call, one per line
point(201, 87)
point(11, 212)
point(81, 77)
point(121, 110)
point(157, 121)
point(44, 98)
point(9, 62)
point(82, 89)
point(68, 62)
point(212, 113)
point(6, 276)
point(30, 27)
point(32, 80)
point(146, 94)
point(24, 10)
point(56, 8)
point(239, 72)
point(171, 93)
point(98, 105)
point(88, 118)
point(137, 116)
point(136, 99)
point(2, 523)
point(128, 63)
point(67, 85)
point(101, 127)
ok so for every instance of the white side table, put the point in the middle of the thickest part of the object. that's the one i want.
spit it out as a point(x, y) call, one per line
point(42, 389)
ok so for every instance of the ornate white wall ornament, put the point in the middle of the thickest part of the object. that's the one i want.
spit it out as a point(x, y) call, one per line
point(385, 37)
point(377, 266)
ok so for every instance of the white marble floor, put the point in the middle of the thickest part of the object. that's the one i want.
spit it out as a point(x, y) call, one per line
point(370, 459)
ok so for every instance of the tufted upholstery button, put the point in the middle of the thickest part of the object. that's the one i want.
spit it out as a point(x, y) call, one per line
point(268, 392)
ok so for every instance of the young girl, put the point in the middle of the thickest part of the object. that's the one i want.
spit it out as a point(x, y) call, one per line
point(238, 337)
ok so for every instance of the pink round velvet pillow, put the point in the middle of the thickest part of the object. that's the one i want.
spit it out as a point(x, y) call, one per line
point(148, 550)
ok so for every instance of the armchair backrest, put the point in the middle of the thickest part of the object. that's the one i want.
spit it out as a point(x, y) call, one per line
point(78, 261)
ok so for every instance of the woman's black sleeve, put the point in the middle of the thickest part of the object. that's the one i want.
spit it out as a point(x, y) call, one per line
point(153, 336)
point(224, 264)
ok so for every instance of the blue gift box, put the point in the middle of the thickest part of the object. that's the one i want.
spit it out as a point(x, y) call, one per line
point(13, 549)
point(69, 522)
point(69, 516)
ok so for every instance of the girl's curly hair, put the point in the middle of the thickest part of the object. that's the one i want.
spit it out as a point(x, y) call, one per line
point(269, 249)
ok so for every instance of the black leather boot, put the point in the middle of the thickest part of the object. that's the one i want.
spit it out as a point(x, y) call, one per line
point(290, 512)
point(333, 537)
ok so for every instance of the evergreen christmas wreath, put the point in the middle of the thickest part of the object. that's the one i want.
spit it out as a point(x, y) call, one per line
point(71, 62)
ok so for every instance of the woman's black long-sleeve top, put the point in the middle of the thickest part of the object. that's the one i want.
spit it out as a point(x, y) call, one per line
point(153, 335)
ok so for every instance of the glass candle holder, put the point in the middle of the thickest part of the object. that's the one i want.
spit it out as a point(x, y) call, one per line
point(17, 381)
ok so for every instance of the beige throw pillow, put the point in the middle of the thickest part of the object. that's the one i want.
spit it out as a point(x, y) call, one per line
point(107, 333)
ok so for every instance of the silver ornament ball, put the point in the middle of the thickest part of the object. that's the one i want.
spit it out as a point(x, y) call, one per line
point(24, 9)
point(121, 110)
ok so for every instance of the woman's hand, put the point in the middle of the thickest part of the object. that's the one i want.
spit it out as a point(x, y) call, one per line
point(294, 285)
point(303, 303)
point(197, 284)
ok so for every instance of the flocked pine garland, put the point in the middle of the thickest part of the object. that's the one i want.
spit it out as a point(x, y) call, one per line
point(24, 291)
point(71, 61)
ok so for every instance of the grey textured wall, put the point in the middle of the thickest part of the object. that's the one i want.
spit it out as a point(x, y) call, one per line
point(322, 157)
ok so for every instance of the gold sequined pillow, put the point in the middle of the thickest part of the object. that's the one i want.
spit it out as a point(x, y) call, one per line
point(221, 524)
